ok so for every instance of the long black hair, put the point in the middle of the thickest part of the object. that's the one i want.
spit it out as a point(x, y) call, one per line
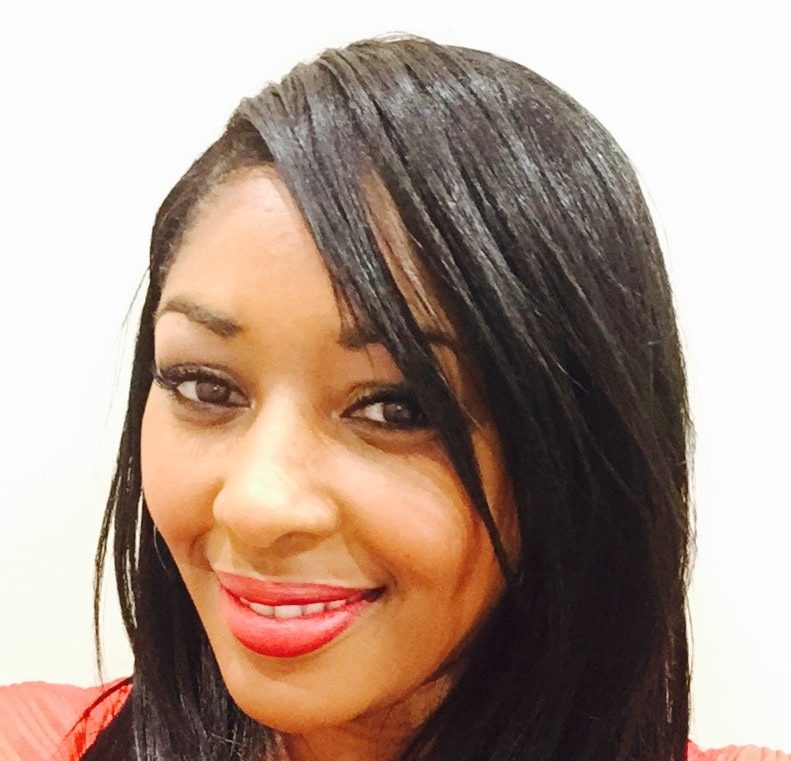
point(529, 221)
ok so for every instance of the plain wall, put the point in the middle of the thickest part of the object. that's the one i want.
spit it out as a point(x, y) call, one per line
point(104, 108)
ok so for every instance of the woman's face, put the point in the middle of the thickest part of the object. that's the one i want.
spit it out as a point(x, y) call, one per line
point(278, 447)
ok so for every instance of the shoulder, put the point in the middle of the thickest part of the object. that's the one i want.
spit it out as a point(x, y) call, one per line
point(37, 717)
point(735, 753)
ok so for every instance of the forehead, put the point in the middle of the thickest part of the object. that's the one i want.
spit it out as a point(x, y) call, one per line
point(249, 221)
point(249, 258)
point(249, 240)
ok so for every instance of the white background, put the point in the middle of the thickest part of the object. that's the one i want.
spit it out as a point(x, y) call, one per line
point(104, 107)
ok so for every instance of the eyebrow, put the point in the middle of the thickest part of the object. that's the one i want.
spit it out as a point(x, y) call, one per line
point(353, 337)
point(360, 336)
point(218, 324)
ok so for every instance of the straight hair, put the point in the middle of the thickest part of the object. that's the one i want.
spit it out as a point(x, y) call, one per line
point(529, 223)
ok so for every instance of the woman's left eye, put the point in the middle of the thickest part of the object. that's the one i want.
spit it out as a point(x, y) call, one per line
point(394, 408)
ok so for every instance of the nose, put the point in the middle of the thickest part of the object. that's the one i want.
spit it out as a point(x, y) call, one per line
point(272, 495)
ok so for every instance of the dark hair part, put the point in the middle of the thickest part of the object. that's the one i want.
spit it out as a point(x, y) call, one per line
point(530, 222)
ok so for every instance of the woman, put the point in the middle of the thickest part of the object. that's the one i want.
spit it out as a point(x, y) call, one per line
point(404, 468)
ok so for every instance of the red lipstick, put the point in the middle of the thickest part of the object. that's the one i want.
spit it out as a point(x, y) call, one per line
point(285, 620)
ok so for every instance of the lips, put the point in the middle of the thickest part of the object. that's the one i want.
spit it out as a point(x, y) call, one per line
point(283, 593)
point(286, 620)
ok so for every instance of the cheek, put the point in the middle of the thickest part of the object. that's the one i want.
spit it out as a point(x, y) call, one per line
point(413, 516)
point(177, 485)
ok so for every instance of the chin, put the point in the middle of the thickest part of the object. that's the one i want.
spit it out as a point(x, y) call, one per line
point(286, 706)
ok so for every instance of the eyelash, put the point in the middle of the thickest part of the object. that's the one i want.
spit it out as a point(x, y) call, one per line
point(396, 395)
point(171, 378)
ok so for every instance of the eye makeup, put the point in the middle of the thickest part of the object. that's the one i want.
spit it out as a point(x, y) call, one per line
point(205, 389)
point(397, 402)
point(199, 385)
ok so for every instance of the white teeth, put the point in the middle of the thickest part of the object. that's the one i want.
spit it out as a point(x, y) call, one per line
point(264, 610)
point(287, 611)
point(293, 611)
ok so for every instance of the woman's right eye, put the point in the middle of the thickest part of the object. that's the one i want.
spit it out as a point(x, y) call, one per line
point(200, 386)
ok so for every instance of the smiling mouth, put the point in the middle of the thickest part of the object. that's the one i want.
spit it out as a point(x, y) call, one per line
point(288, 611)
point(284, 619)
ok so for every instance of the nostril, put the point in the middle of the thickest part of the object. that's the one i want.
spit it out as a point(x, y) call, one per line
point(289, 520)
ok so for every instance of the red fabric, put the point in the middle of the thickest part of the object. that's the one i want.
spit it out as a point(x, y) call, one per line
point(735, 753)
point(36, 717)
point(40, 721)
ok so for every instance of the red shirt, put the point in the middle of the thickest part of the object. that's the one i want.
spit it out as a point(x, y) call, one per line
point(35, 719)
